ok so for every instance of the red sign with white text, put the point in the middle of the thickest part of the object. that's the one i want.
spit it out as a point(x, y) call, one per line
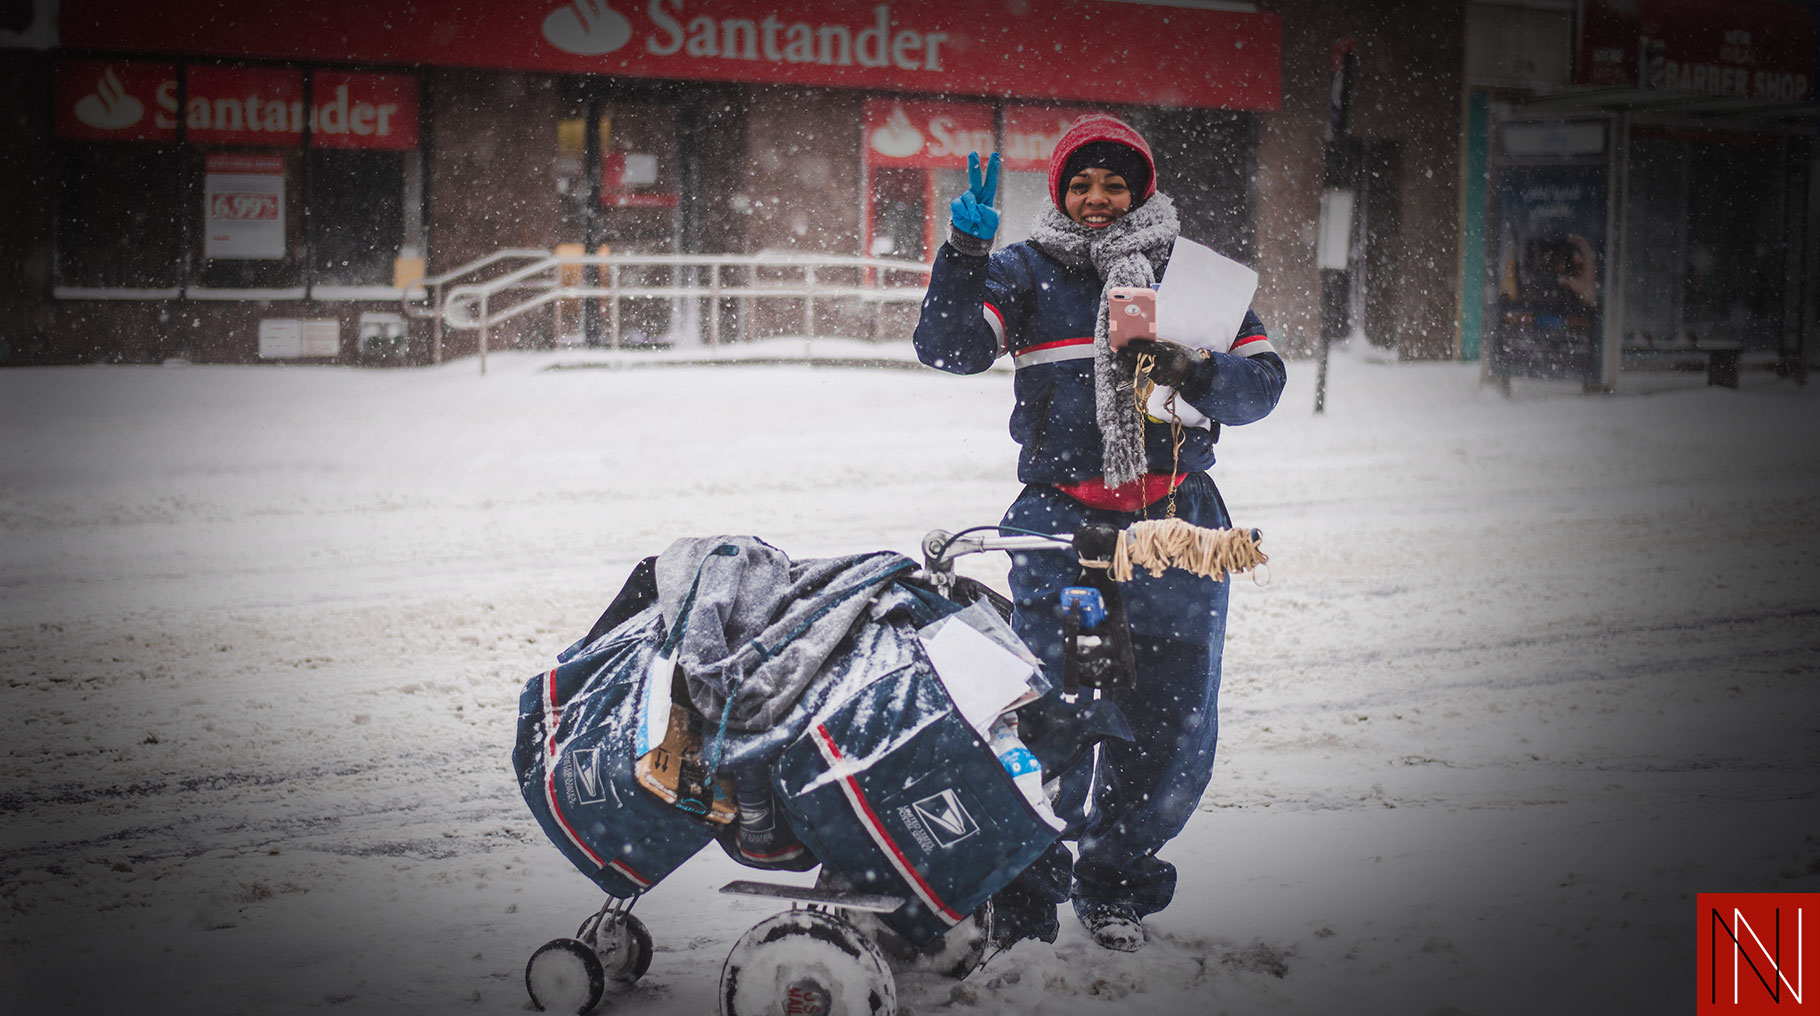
point(114, 100)
point(363, 110)
point(1080, 50)
point(1757, 49)
point(932, 135)
point(128, 100)
point(1752, 954)
point(243, 105)
point(1032, 131)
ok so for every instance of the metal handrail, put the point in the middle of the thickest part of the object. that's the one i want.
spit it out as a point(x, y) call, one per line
point(412, 297)
point(469, 306)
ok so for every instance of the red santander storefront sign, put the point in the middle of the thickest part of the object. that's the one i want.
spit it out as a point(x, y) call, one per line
point(939, 135)
point(129, 100)
point(926, 135)
point(1032, 131)
point(1072, 50)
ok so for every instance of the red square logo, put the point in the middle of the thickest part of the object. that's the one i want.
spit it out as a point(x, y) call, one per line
point(1753, 954)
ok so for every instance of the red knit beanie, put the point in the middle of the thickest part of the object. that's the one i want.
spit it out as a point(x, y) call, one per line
point(1099, 127)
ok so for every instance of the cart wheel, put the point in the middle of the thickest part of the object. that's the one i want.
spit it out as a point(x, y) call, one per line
point(623, 944)
point(565, 976)
point(956, 954)
point(806, 961)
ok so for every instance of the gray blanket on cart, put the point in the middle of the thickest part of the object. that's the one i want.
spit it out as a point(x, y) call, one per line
point(750, 628)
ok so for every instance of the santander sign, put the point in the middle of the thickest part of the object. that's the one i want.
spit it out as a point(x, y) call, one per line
point(594, 28)
point(126, 100)
point(1161, 54)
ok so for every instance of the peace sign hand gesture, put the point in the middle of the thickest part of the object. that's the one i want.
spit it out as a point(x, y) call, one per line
point(973, 212)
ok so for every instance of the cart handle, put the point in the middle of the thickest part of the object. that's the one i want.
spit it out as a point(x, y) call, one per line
point(941, 547)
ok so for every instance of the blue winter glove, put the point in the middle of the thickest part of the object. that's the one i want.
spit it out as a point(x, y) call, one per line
point(973, 212)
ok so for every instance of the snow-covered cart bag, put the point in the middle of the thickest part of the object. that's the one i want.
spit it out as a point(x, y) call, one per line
point(897, 792)
point(575, 761)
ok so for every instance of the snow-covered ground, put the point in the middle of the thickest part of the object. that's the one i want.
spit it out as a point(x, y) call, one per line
point(1525, 675)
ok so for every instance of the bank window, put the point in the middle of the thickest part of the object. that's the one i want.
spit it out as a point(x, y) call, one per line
point(118, 219)
point(231, 182)
point(355, 216)
point(363, 182)
point(249, 221)
point(900, 214)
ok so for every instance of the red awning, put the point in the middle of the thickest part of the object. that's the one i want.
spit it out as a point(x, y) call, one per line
point(1083, 50)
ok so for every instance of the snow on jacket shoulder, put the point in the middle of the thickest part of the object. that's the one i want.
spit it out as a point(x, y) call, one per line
point(1023, 302)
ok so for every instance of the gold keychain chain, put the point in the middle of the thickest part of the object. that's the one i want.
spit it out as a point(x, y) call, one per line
point(1142, 386)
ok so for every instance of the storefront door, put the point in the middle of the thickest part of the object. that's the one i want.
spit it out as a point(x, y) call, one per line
point(619, 169)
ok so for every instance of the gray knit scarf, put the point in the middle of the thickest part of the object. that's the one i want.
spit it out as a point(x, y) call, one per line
point(1129, 252)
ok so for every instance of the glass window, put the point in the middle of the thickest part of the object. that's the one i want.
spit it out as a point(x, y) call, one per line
point(194, 180)
point(354, 215)
point(1022, 196)
point(898, 214)
point(1712, 267)
point(118, 216)
point(248, 221)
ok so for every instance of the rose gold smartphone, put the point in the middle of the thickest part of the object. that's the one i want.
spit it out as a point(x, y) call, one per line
point(1130, 314)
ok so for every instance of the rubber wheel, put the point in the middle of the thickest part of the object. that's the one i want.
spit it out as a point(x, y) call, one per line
point(954, 955)
point(806, 961)
point(623, 944)
point(565, 975)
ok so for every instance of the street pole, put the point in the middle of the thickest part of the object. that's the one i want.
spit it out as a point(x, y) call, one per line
point(1334, 242)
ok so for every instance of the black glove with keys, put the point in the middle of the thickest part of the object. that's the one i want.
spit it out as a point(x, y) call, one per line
point(1173, 363)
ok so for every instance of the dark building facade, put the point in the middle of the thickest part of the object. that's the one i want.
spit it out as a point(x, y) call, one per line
point(256, 182)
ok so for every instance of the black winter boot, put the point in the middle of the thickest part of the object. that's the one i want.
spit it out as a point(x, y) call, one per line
point(1112, 925)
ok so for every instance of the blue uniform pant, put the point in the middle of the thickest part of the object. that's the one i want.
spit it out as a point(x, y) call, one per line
point(1144, 790)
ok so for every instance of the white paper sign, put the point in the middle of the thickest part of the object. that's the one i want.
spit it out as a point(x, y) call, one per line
point(280, 338)
point(1201, 302)
point(243, 207)
point(1203, 297)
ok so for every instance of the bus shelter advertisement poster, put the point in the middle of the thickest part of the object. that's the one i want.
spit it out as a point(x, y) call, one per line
point(1546, 307)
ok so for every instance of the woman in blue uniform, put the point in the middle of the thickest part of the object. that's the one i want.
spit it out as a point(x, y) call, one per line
point(1088, 455)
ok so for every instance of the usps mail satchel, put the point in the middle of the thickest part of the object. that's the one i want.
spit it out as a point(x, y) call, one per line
point(896, 791)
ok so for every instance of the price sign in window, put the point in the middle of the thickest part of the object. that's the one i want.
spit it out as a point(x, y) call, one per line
point(243, 206)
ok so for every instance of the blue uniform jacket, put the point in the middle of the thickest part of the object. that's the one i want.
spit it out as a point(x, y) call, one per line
point(1022, 301)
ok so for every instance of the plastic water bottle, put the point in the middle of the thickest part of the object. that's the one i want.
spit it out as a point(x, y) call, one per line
point(1026, 772)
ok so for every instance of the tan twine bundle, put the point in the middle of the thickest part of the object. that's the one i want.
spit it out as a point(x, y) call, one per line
point(1159, 544)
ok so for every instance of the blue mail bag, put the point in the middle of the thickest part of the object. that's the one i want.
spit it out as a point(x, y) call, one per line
point(574, 757)
point(896, 792)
